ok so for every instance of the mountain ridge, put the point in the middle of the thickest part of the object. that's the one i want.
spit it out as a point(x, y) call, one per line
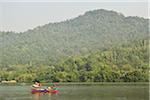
point(94, 30)
point(81, 15)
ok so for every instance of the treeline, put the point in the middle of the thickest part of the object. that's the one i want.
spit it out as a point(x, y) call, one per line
point(126, 63)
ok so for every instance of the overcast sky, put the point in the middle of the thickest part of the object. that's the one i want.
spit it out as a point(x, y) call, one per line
point(21, 16)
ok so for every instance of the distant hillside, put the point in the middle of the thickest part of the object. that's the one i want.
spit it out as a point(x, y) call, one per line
point(95, 30)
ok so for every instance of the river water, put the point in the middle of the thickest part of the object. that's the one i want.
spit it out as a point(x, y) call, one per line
point(79, 92)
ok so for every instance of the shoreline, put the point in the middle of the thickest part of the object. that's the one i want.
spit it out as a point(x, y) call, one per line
point(82, 83)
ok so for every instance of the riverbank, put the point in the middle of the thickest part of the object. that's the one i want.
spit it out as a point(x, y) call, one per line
point(83, 83)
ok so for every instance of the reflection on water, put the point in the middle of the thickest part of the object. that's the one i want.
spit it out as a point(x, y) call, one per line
point(37, 96)
point(79, 92)
point(44, 96)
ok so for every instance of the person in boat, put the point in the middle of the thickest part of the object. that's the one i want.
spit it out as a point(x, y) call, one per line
point(37, 85)
point(53, 87)
point(50, 87)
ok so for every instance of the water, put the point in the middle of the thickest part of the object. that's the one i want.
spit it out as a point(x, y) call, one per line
point(80, 92)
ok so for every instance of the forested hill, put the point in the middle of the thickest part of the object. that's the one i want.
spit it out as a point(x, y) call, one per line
point(90, 32)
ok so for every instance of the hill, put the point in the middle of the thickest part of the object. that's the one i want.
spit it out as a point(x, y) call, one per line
point(90, 32)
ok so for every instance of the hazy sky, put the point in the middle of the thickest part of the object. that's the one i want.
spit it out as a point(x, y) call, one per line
point(21, 16)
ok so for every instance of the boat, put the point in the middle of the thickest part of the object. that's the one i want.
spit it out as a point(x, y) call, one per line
point(44, 91)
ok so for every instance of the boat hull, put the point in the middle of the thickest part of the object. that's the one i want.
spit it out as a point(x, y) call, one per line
point(44, 91)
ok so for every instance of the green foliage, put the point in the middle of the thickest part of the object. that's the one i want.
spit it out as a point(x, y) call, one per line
point(98, 29)
point(112, 65)
point(99, 46)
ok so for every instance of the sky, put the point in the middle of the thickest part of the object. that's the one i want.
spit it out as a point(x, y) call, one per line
point(22, 15)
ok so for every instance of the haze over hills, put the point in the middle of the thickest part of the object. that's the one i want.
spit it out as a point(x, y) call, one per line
point(93, 31)
point(98, 46)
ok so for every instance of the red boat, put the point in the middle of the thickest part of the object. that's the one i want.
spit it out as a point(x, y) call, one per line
point(44, 91)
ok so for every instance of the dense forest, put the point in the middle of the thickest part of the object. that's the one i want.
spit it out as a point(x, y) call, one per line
point(99, 46)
